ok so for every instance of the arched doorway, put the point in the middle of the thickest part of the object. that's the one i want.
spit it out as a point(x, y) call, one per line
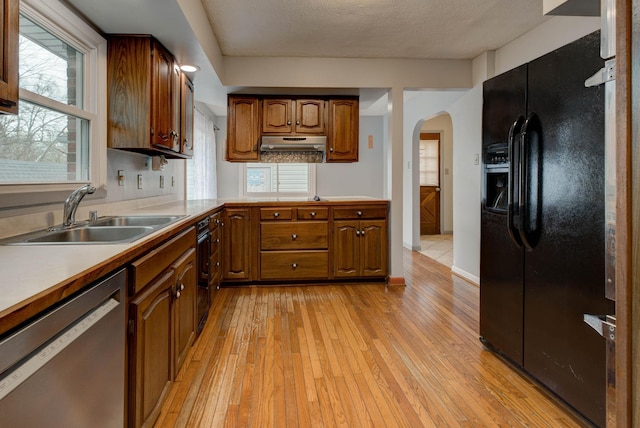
point(435, 184)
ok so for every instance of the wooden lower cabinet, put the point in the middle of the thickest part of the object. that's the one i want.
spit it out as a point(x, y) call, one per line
point(360, 248)
point(292, 247)
point(150, 372)
point(237, 244)
point(215, 259)
point(184, 307)
point(291, 265)
point(162, 323)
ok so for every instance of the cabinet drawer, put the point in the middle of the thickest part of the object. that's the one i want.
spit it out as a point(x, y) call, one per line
point(294, 265)
point(294, 235)
point(276, 213)
point(360, 212)
point(154, 262)
point(313, 213)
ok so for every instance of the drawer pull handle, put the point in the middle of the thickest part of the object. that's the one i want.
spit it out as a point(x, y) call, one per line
point(359, 213)
point(276, 214)
point(294, 265)
point(312, 213)
point(294, 236)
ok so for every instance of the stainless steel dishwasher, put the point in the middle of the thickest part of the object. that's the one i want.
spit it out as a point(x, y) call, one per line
point(66, 368)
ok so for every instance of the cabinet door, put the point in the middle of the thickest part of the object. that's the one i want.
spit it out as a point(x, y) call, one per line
point(187, 105)
point(276, 116)
point(373, 248)
point(163, 106)
point(184, 307)
point(345, 248)
point(9, 28)
point(310, 117)
point(237, 244)
point(243, 128)
point(342, 138)
point(150, 350)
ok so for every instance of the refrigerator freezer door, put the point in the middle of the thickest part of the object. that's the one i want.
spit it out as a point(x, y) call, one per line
point(501, 286)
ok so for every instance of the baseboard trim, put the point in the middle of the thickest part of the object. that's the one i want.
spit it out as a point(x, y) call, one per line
point(396, 280)
point(465, 275)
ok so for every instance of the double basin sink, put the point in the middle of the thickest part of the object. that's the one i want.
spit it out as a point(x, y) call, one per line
point(104, 230)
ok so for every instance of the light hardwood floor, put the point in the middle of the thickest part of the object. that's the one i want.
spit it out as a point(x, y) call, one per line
point(355, 355)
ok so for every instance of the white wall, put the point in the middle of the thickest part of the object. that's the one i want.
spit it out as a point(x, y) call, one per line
point(134, 164)
point(466, 115)
point(363, 178)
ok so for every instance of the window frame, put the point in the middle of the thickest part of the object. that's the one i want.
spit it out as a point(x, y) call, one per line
point(280, 195)
point(62, 22)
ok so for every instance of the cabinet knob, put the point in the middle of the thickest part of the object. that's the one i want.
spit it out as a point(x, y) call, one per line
point(294, 236)
point(177, 294)
point(297, 122)
point(215, 241)
point(312, 214)
point(359, 213)
point(357, 232)
point(362, 232)
point(217, 264)
point(276, 214)
point(331, 149)
point(288, 122)
point(294, 265)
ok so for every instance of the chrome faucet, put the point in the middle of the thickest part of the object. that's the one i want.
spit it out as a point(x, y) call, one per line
point(72, 202)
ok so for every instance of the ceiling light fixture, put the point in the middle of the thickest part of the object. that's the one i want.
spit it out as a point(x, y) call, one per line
point(189, 68)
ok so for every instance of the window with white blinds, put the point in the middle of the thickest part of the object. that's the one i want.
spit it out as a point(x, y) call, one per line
point(279, 179)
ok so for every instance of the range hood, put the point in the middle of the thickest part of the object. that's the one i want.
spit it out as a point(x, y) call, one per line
point(293, 149)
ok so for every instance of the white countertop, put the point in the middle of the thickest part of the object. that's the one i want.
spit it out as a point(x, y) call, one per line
point(30, 273)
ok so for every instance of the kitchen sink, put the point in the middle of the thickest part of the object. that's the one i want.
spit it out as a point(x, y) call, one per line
point(136, 220)
point(93, 234)
point(104, 230)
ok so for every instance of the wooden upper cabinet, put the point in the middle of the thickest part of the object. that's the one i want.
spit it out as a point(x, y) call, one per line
point(187, 106)
point(243, 128)
point(165, 108)
point(9, 28)
point(342, 138)
point(277, 116)
point(144, 97)
point(310, 116)
point(293, 116)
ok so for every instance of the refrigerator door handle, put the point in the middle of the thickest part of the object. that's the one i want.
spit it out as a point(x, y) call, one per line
point(530, 171)
point(513, 203)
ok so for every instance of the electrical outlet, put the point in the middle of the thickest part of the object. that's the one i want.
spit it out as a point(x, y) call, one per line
point(162, 181)
point(139, 181)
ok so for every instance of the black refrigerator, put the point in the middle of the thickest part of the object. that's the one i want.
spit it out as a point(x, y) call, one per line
point(542, 223)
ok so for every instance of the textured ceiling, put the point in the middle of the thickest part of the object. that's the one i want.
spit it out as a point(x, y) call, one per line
point(453, 29)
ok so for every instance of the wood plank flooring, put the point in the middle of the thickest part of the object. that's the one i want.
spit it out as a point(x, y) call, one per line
point(360, 355)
